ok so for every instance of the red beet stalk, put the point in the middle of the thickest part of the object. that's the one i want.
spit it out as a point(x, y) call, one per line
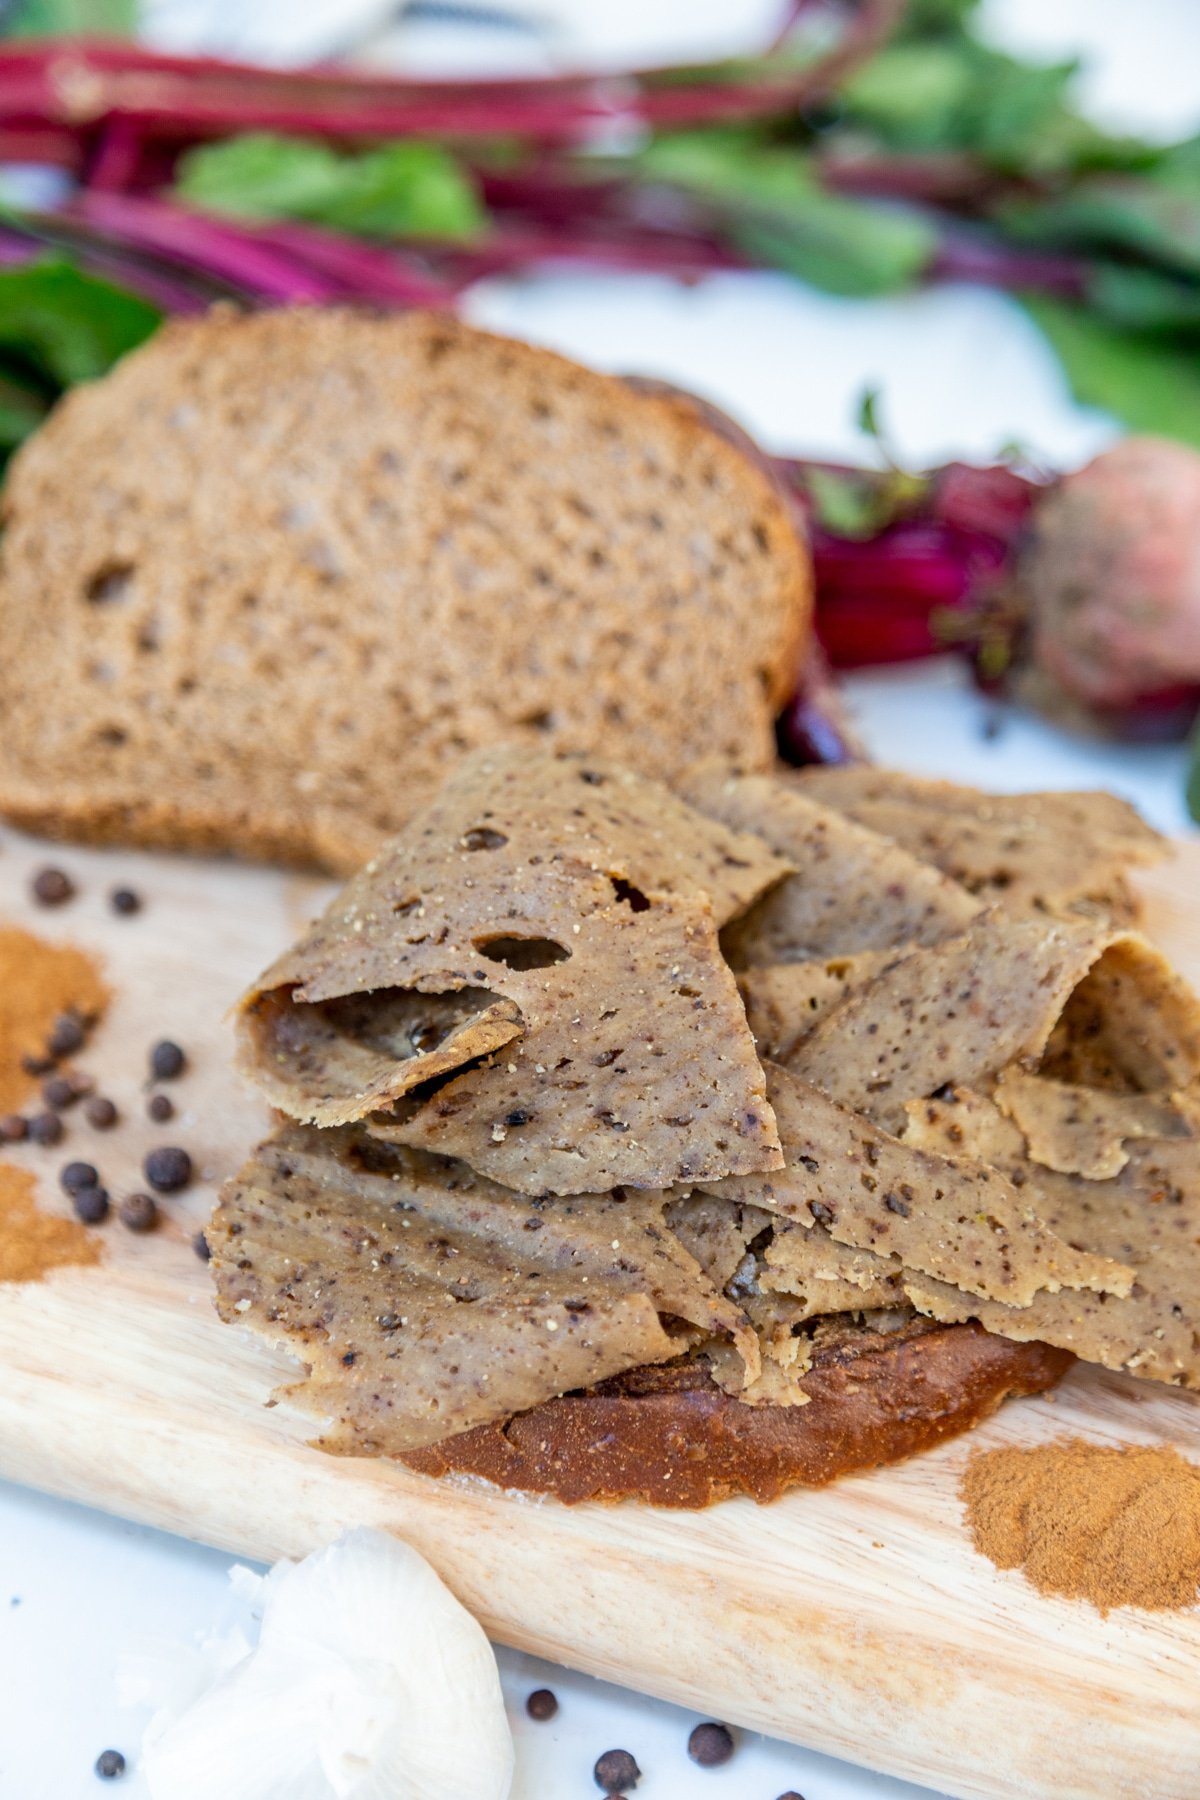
point(279, 263)
point(885, 598)
point(80, 84)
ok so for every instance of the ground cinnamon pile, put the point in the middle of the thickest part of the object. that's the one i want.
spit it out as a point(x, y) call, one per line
point(1118, 1527)
point(31, 1242)
point(38, 982)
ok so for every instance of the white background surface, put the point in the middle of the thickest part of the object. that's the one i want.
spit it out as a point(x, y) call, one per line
point(961, 374)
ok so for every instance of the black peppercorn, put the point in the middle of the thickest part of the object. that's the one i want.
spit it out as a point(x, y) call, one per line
point(110, 1765)
point(100, 1113)
point(75, 1175)
point(59, 1092)
point(168, 1169)
point(166, 1060)
point(66, 1035)
point(91, 1204)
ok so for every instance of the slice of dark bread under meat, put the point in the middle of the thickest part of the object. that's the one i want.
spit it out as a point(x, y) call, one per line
point(670, 1436)
point(266, 582)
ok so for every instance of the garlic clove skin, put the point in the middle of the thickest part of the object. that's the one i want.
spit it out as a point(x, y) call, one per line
point(370, 1682)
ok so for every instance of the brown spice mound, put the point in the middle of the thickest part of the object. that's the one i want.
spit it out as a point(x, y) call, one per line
point(1117, 1527)
point(33, 1242)
point(38, 981)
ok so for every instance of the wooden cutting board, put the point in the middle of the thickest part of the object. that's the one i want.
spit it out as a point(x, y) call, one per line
point(858, 1620)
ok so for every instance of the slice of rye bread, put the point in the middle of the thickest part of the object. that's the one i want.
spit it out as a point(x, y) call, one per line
point(269, 579)
point(668, 1435)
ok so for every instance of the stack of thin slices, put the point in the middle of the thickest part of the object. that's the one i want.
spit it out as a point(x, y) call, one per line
point(639, 1144)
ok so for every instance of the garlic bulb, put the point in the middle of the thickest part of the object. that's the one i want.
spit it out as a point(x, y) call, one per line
point(369, 1682)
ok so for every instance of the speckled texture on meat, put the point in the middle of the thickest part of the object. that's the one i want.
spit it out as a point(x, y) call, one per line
point(1132, 1025)
point(785, 1001)
point(784, 1275)
point(528, 988)
point(828, 1277)
point(852, 889)
point(1148, 1216)
point(717, 1232)
point(589, 900)
point(1036, 854)
point(960, 1011)
point(426, 1299)
point(1085, 1131)
point(636, 1067)
point(957, 1220)
point(786, 1354)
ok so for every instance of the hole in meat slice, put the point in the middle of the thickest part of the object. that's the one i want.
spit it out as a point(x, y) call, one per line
point(482, 837)
point(396, 1022)
point(522, 952)
point(629, 895)
point(331, 1061)
point(109, 583)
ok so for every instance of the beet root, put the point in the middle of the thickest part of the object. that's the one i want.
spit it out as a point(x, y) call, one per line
point(1111, 577)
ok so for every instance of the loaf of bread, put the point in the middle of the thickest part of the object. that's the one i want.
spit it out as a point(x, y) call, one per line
point(266, 582)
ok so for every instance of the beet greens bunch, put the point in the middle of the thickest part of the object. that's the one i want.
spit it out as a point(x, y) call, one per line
point(874, 147)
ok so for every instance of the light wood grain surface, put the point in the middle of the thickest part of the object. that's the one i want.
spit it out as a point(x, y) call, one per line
point(858, 1619)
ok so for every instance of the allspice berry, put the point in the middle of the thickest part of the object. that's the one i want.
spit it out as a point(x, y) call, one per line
point(616, 1772)
point(710, 1745)
point(52, 887)
point(138, 1212)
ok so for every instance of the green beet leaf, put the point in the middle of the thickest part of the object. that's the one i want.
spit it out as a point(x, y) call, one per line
point(1156, 216)
point(22, 409)
point(859, 504)
point(773, 207)
point(67, 325)
point(913, 94)
point(71, 18)
point(1192, 791)
point(1143, 299)
point(406, 189)
point(1150, 385)
point(403, 189)
point(259, 175)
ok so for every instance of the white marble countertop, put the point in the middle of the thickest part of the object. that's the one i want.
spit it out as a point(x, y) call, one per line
point(961, 372)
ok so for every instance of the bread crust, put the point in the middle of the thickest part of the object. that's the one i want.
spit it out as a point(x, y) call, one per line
point(670, 1437)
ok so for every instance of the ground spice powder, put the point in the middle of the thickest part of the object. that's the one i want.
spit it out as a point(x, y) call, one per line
point(1117, 1527)
point(31, 1242)
point(38, 981)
